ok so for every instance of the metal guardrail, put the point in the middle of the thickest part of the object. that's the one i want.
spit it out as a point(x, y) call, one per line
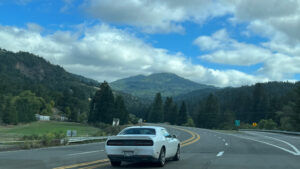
point(82, 139)
point(69, 140)
point(11, 142)
point(273, 131)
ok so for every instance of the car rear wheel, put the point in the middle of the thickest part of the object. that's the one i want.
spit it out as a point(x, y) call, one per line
point(177, 155)
point(115, 163)
point(162, 158)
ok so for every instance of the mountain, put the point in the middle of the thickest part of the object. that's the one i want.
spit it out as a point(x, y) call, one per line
point(167, 84)
point(23, 71)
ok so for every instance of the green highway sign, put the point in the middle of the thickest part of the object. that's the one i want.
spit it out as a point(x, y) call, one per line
point(237, 123)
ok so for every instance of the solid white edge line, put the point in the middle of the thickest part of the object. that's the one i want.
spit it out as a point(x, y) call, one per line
point(284, 149)
point(289, 144)
point(293, 153)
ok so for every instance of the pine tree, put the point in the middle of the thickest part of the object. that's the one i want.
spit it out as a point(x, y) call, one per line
point(168, 109)
point(174, 111)
point(74, 116)
point(156, 112)
point(260, 103)
point(296, 114)
point(10, 115)
point(103, 105)
point(182, 115)
point(211, 112)
point(121, 111)
point(201, 119)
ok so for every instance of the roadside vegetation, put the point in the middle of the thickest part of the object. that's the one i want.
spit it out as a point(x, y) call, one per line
point(45, 127)
point(49, 133)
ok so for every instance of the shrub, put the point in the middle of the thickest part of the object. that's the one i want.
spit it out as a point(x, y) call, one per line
point(48, 139)
point(189, 123)
point(267, 124)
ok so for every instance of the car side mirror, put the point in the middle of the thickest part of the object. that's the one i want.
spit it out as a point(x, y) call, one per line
point(174, 136)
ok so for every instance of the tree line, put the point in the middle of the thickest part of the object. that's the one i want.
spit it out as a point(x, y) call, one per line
point(255, 104)
point(167, 111)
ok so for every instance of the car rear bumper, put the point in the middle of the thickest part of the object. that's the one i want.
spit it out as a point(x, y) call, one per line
point(134, 158)
point(138, 151)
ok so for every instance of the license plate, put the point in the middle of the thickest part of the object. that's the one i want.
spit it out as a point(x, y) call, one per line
point(128, 153)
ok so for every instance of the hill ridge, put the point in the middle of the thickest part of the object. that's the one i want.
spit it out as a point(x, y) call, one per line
point(168, 84)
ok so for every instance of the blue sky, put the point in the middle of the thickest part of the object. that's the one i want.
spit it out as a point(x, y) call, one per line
point(221, 43)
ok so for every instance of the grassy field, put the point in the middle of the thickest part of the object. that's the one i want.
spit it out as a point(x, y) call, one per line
point(40, 128)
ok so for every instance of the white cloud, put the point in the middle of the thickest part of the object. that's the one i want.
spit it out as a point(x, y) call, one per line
point(275, 19)
point(281, 67)
point(280, 61)
point(279, 22)
point(105, 53)
point(225, 50)
point(155, 15)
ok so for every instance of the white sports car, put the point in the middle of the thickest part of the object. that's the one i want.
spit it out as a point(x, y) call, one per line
point(142, 143)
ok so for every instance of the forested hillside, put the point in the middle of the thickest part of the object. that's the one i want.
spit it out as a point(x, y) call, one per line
point(275, 103)
point(30, 85)
point(146, 87)
point(272, 105)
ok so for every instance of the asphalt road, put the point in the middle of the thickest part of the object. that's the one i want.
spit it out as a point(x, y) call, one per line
point(201, 149)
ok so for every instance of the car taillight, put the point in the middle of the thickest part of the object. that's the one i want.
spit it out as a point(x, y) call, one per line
point(144, 143)
point(114, 142)
point(130, 143)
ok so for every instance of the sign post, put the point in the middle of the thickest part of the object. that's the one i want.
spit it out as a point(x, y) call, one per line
point(71, 133)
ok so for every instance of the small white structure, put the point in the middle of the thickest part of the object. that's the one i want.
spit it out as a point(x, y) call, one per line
point(140, 121)
point(42, 118)
point(115, 122)
point(63, 118)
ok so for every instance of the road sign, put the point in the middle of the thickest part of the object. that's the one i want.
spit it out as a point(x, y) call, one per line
point(71, 133)
point(74, 133)
point(237, 123)
point(254, 124)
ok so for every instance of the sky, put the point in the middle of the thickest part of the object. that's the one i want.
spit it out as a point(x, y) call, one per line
point(215, 42)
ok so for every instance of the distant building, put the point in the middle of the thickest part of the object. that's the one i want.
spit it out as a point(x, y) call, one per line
point(42, 118)
point(59, 118)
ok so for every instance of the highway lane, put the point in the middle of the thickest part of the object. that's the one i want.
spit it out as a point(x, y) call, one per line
point(214, 150)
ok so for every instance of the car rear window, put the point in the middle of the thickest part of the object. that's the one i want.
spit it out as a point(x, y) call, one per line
point(145, 131)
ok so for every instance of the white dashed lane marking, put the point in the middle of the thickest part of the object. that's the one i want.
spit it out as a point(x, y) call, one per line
point(220, 153)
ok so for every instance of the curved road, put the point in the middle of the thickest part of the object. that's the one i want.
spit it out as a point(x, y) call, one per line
point(201, 148)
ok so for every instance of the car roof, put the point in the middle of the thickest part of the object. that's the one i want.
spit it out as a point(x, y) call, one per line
point(153, 127)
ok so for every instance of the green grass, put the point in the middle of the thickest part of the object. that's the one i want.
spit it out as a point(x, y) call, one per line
point(40, 128)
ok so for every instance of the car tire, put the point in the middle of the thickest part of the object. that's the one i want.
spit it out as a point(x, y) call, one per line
point(177, 155)
point(115, 163)
point(162, 157)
